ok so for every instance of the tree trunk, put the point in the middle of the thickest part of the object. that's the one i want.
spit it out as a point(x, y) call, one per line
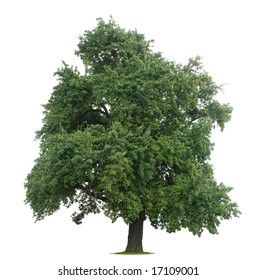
point(135, 235)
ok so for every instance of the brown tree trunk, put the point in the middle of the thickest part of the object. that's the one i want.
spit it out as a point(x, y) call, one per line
point(135, 235)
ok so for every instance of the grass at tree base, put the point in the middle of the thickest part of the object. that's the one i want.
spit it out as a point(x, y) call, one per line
point(132, 253)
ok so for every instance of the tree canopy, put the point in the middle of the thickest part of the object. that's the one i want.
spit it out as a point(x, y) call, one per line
point(131, 134)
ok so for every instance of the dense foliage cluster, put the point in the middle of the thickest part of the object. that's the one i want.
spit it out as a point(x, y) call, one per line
point(131, 134)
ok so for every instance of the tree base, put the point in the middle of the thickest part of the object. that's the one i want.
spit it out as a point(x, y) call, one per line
point(132, 253)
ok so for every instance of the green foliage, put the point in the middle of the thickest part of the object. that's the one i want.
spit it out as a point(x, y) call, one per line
point(132, 133)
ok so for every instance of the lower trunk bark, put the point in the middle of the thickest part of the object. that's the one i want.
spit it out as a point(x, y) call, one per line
point(135, 235)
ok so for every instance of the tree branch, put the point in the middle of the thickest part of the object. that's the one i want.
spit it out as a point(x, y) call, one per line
point(105, 110)
point(98, 110)
point(195, 119)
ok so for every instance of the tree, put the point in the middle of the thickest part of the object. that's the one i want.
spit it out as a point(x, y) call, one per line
point(131, 137)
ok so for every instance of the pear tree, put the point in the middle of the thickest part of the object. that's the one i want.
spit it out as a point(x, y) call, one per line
point(131, 138)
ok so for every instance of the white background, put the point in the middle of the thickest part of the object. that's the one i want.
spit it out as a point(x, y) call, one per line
point(35, 37)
